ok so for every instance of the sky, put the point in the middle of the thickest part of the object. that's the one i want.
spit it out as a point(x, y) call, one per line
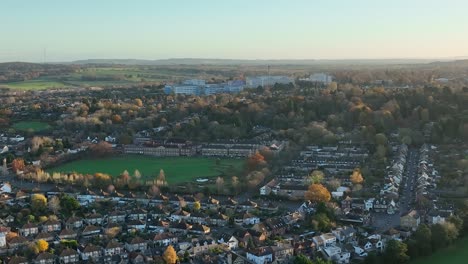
point(66, 30)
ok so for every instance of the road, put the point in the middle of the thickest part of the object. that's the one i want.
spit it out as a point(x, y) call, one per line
point(409, 183)
point(383, 221)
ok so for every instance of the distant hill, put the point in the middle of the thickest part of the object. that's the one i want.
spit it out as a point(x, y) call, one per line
point(457, 63)
point(195, 61)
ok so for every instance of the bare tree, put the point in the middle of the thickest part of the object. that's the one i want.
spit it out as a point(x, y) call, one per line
point(219, 184)
point(54, 204)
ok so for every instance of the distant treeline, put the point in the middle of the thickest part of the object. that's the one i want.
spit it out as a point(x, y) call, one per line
point(21, 71)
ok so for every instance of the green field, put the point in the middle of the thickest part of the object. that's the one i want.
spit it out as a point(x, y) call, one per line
point(454, 254)
point(34, 126)
point(176, 169)
point(35, 85)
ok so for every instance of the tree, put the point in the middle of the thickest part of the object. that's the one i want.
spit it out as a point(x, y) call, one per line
point(395, 252)
point(42, 245)
point(170, 255)
point(161, 181)
point(439, 236)
point(17, 165)
point(111, 188)
point(255, 161)
point(302, 259)
point(322, 261)
point(317, 193)
point(101, 149)
point(356, 176)
point(219, 184)
point(138, 102)
point(38, 201)
point(69, 204)
point(235, 184)
point(54, 204)
point(423, 238)
point(196, 205)
point(137, 175)
point(33, 248)
point(316, 176)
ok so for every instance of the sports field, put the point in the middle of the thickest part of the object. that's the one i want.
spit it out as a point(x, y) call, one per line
point(35, 85)
point(34, 126)
point(454, 254)
point(176, 169)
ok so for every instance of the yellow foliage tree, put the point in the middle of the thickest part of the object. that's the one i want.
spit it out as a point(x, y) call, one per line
point(38, 200)
point(170, 255)
point(317, 193)
point(42, 245)
point(356, 176)
point(196, 205)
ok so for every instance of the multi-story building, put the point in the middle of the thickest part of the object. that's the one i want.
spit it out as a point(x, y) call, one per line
point(199, 87)
point(254, 82)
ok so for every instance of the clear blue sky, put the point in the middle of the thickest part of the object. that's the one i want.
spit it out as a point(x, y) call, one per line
point(240, 29)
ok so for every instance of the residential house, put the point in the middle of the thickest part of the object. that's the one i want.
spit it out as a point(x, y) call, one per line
point(17, 242)
point(410, 220)
point(210, 203)
point(197, 217)
point(3, 233)
point(180, 227)
point(203, 245)
point(243, 236)
point(94, 219)
point(51, 226)
point(45, 236)
point(335, 254)
point(276, 226)
point(179, 215)
point(91, 252)
point(29, 229)
point(113, 248)
point(229, 241)
point(324, 240)
point(74, 222)
point(67, 234)
point(158, 226)
point(219, 219)
point(283, 252)
point(200, 229)
point(136, 224)
point(45, 258)
point(165, 239)
point(345, 233)
point(373, 244)
point(18, 260)
point(91, 231)
point(247, 205)
point(69, 255)
point(359, 251)
point(137, 244)
point(260, 255)
point(247, 219)
point(438, 217)
point(117, 217)
point(138, 214)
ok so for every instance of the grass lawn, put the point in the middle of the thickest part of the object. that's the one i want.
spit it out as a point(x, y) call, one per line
point(35, 85)
point(176, 169)
point(454, 254)
point(35, 126)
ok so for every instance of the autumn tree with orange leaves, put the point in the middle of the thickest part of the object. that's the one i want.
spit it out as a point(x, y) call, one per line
point(317, 193)
point(17, 165)
point(255, 161)
point(170, 255)
point(356, 176)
